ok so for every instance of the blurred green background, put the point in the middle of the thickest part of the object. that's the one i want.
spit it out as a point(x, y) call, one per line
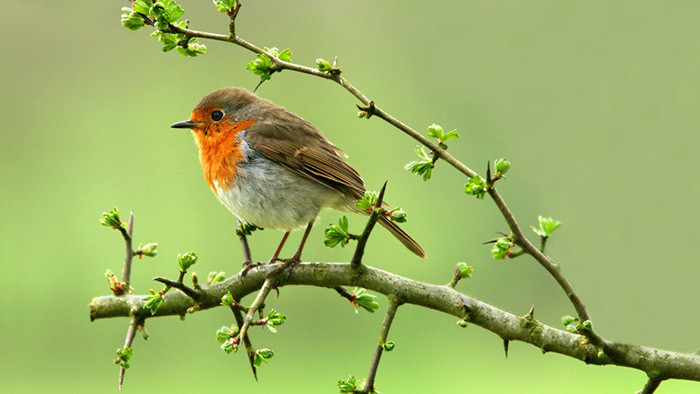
point(595, 104)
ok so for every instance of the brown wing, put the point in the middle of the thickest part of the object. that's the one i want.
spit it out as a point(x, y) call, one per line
point(289, 140)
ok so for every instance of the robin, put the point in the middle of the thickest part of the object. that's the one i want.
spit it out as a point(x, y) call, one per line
point(272, 168)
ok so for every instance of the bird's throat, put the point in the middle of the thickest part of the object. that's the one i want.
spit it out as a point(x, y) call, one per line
point(219, 152)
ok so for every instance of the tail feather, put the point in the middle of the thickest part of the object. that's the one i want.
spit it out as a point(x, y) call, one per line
point(402, 236)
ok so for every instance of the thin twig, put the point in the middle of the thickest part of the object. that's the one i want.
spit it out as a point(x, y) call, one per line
point(247, 257)
point(127, 234)
point(343, 293)
point(383, 333)
point(130, 334)
point(259, 300)
point(246, 340)
point(195, 295)
point(362, 242)
point(543, 244)
point(651, 386)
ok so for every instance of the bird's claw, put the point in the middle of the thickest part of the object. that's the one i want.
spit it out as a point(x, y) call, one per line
point(249, 266)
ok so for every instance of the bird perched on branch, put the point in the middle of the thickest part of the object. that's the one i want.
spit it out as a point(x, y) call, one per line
point(272, 168)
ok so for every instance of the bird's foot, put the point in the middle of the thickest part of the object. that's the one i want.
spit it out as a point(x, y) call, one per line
point(247, 266)
point(286, 264)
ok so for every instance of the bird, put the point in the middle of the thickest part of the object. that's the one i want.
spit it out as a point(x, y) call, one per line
point(273, 169)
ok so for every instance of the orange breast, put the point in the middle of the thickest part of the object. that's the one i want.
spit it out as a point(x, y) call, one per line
point(219, 151)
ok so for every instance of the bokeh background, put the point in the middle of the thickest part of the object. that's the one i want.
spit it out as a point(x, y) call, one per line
point(596, 104)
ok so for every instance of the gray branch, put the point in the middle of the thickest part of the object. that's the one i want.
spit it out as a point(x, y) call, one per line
point(661, 364)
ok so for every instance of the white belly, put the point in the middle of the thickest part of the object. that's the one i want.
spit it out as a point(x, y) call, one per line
point(270, 196)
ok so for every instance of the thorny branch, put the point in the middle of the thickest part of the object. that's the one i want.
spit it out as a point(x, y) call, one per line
point(386, 325)
point(659, 363)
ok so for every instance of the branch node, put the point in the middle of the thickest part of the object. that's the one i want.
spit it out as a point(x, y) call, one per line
point(370, 109)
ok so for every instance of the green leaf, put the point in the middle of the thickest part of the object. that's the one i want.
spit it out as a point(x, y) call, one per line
point(502, 166)
point(285, 55)
point(389, 346)
point(476, 187)
point(547, 226)
point(261, 356)
point(501, 248)
point(348, 385)
point(226, 333)
point(367, 202)
point(225, 6)
point(435, 131)
point(337, 235)
point(186, 260)
point(153, 301)
point(111, 219)
point(365, 300)
point(424, 166)
point(142, 6)
point(323, 66)
point(227, 299)
point(131, 20)
point(216, 277)
point(452, 135)
point(192, 49)
point(464, 270)
point(148, 250)
point(566, 320)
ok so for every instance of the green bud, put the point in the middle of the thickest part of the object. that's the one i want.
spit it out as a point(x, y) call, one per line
point(123, 357)
point(148, 250)
point(111, 219)
point(216, 277)
point(586, 325)
point(364, 300)
point(501, 248)
point(361, 114)
point(566, 320)
point(463, 270)
point(572, 329)
point(462, 323)
point(389, 346)
point(502, 166)
point(348, 385)
point(153, 301)
point(131, 20)
point(398, 215)
point(261, 356)
point(547, 226)
point(435, 131)
point(476, 187)
point(227, 299)
point(186, 260)
point(601, 354)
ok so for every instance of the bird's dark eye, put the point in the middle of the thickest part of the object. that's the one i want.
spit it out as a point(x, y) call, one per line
point(217, 115)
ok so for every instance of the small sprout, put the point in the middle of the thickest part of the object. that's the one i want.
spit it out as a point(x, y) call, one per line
point(263, 65)
point(435, 131)
point(502, 166)
point(547, 226)
point(192, 48)
point(572, 329)
point(348, 385)
point(123, 357)
point(132, 20)
point(398, 215)
point(227, 299)
point(273, 319)
point(501, 248)
point(326, 67)
point(389, 346)
point(115, 285)
point(148, 250)
point(261, 356)
point(462, 323)
point(362, 114)
point(601, 354)
point(111, 219)
point(367, 202)
point(424, 166)
point(195, 281)
point(194, 308)
point(476, 187)
point(186, 260)
point(566, 320)
point(586, 325)
point(216, 277)
point(247, 228)
point(362, 299)
point(153, 301)
point(230, 345)
point(225, 6)
point(226, 333)
point(338, 235)
point(463, 270)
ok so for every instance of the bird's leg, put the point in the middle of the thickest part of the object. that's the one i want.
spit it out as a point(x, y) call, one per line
point(296, 258)
point(279, 248)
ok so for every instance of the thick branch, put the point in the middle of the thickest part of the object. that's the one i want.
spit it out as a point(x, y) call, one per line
point(659, 363)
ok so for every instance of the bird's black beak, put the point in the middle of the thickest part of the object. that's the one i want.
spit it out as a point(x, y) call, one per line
point(185, 124)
